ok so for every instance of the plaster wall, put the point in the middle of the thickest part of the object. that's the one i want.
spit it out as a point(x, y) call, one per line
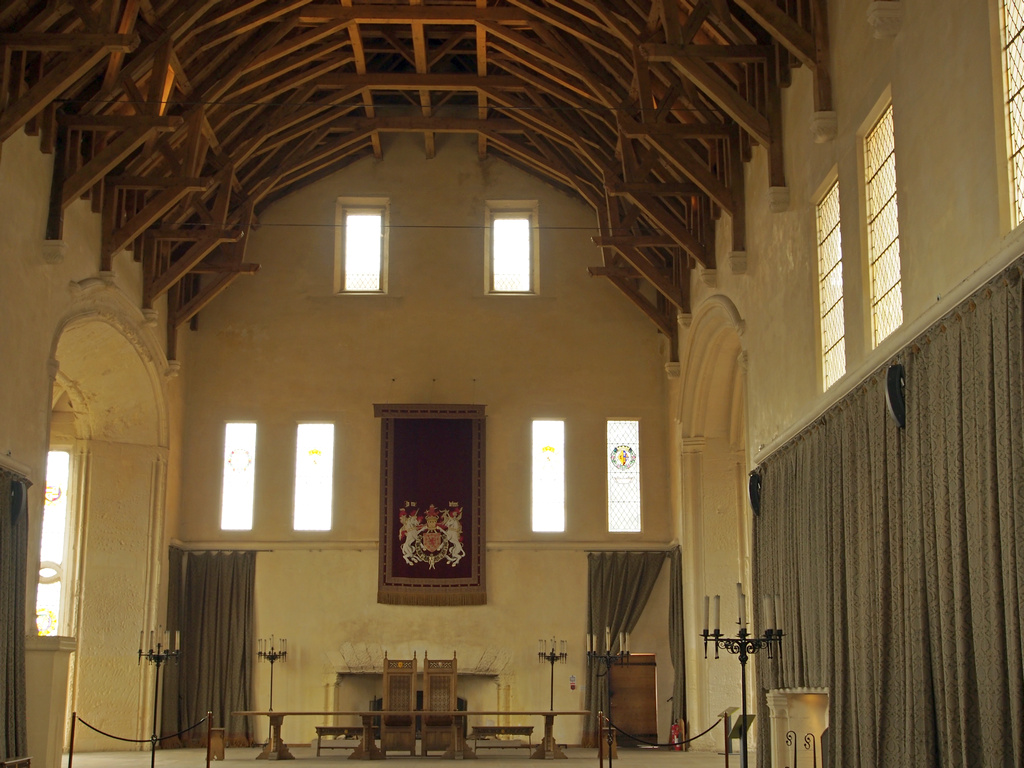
point(280, 348)
point(63, 321)
point(941, 72)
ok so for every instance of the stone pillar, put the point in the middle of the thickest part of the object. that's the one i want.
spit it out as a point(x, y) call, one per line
point(47, 665)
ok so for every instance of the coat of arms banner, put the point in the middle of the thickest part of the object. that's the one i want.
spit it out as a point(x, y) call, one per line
point(432, 505)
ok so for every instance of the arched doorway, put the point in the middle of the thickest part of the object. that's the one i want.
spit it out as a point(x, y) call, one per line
point(108, 421)
point(710, 419)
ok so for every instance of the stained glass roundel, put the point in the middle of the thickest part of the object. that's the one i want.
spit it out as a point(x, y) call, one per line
point(622, 457)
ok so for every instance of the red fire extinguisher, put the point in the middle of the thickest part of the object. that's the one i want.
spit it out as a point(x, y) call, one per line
point(676, 736)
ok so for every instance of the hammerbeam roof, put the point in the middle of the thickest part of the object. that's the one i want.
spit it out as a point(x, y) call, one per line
point(181, 120)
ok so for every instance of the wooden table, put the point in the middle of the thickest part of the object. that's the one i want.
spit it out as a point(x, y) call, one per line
point(368, 749)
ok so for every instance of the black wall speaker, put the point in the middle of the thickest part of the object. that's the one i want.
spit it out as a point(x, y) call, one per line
point(754, 489)
point(895, 385)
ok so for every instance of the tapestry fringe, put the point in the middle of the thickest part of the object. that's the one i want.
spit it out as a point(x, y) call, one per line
point(395, 597)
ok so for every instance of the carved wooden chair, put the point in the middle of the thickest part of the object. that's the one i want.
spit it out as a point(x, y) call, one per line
point(398, 732)
point(440, 682)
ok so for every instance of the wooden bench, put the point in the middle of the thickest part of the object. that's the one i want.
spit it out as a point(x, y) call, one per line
point(491, 732)
point(351, 733)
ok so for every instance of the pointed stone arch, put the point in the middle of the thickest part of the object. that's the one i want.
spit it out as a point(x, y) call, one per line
point(710, 422)
point(109, 404)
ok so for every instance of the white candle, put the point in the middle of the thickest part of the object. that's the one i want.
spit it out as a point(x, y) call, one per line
point(739, 600)
point(743, 610)
point(718, 612)
point(142, 636)
point(627, 642)
point(622, 641)
point(607, 639)
point(707, 603)
point(177, 639)
point(590, 642)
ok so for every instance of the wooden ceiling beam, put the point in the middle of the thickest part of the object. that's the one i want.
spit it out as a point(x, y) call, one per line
point(781, 26)
point(407, 15)
point(717, 87)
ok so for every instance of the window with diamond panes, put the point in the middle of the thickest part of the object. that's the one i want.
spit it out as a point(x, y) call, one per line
point(830, 285)
point(1013, 61)
point(362, 246)
point(883, 228)
point(53, 544)
point(511, 247)
point(314, 477)
point(623, 454)
point(548, 476)
point(239, 476)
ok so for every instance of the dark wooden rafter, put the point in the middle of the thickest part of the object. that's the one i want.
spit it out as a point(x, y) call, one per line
point(180, 120)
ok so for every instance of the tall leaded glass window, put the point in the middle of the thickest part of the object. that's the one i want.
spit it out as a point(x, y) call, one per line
point(548, 475)
point(1013, 62)
point(314, 477)
point(512, 249)
point(830, 285)
point(53, 545)
point(361, 261)
point(623, 453)
point(883, 228)
point(239, 476)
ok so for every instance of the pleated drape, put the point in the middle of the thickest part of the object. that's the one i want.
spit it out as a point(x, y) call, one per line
point(620, 584)
point(899, 553)
point(213, 607)
point(13, 558)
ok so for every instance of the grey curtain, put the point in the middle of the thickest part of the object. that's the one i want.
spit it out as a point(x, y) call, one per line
point(211, 601)
point(13, 558)
point(676, 629)
point(899, 554)
point(619, 585)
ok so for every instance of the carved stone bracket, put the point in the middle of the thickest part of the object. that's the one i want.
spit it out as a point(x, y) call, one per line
point(885, 18)
point(738, 262)
point(709, 277)
point(824, 127)
point(672, 370)
point(54, 251)
point(778, 199)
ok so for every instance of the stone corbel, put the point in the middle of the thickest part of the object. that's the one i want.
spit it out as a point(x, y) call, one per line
point(738, 262)
point(778, 199)
point(54, 251)
point(709, 277)
point(824, 127)
point(885, 18)
point(672, 370)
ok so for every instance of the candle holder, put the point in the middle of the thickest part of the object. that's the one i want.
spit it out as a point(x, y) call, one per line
point(607, 658)
point(158, 655)
point(267, 652)
point(552, 657)
point(744, 645)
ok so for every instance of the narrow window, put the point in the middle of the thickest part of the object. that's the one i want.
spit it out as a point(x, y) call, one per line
point(314, 477)
point(1013, 63)
point(239, 476)
point(511, 247)
point(623, 476)
point(53, 545)
point(548, 475)
point(830, 284)
point(361, 262)
point(883, 228)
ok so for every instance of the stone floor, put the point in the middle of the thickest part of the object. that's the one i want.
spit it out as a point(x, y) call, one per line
point(577, 757)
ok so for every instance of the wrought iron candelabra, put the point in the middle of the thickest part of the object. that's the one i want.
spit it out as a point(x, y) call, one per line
point(267, 652)
point(552, 657)
point(744, 645)
point(159, 652)
point(607, 658)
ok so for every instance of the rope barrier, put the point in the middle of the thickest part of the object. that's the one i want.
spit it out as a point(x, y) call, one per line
point(671, 744)
point(139, 741)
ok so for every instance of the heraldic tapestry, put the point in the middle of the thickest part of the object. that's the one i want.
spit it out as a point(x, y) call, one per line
point(432, 505)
